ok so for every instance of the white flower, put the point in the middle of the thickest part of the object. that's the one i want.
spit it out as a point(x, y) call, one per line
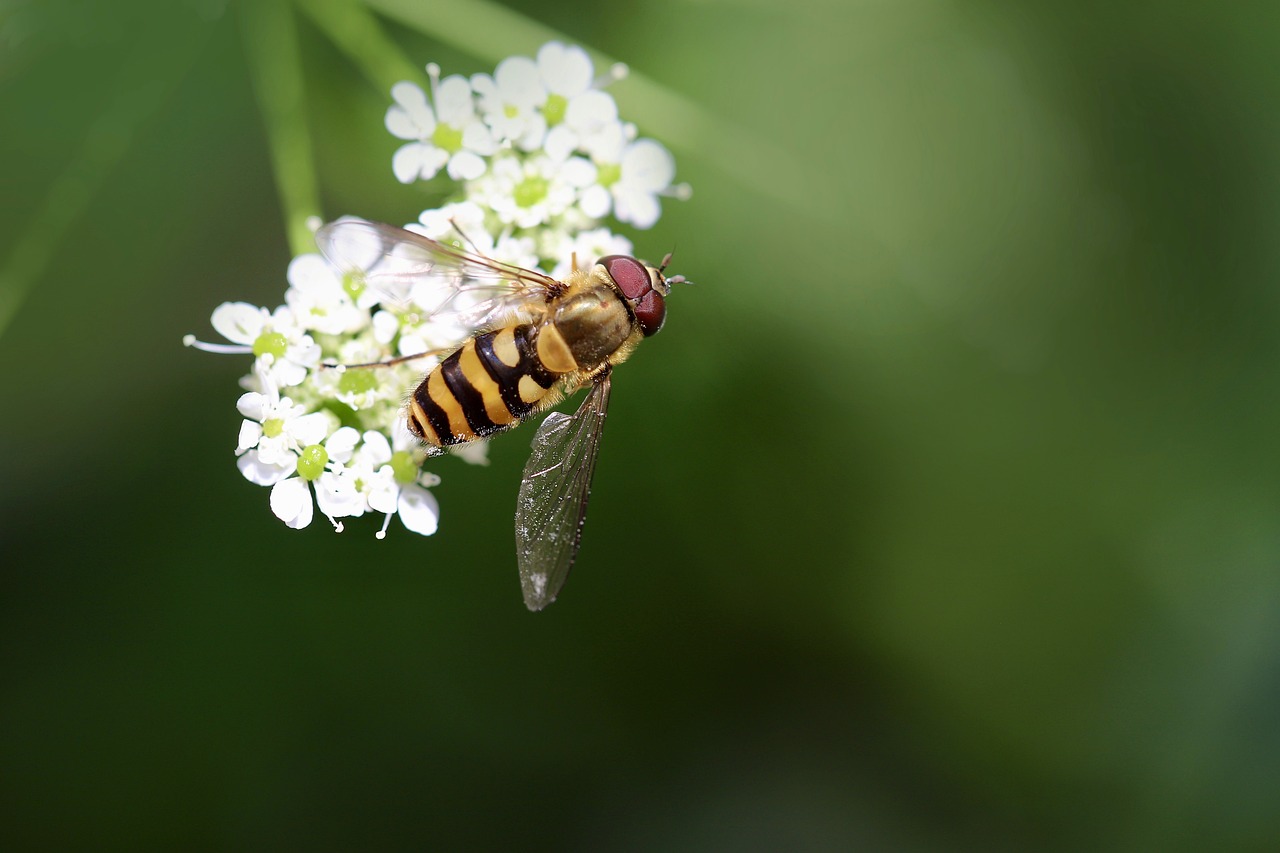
point(587, 247)
point(450, 133)
point(291, 502)
point(418, 509)
point(465, 224)
point(276, 429)
point(630, 179)
point(590, 125)
point(359, 387)
point(455, 223)
point(510, 100)
point(376, 479)
point(527, 193)
point(284, 351)
point(566, 74)
point(320, 301)
point(291, 498)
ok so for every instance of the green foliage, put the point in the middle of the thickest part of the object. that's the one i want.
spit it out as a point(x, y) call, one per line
point(941, 514)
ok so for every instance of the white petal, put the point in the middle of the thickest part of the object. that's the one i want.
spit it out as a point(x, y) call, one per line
point(535, 130)
point(337, 497)
point(487, 89)
point(291, 502)
point(477, 137)
point(288, 373)
point(566, 70)
point(385, 326)
point(518, 81)
point(473, 452)
point(309, 429)
point(409, 162)
point(648, 166)
point(261, 474)
point(401, 437)
point(412, 344)
point(376, 449)
point(591, 110)
point(560, 142)
point(641, 209)
point(466, 166)
point(384, 494)
point(578, 172)
point(605, 143)
point(238, 321)
point(312, 275)
point(341, 444)
point(595, 202)
point(250, 432)
point(401, 125)
point(305, 352)
point(418, 510)
point(418, 119)
point(276, 451)
point(253, 405)
point(454, 106)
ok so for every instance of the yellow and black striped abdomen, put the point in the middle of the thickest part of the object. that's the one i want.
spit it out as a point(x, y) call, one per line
point(488, 385)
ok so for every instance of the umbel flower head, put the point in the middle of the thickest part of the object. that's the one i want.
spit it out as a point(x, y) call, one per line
point(539, 158)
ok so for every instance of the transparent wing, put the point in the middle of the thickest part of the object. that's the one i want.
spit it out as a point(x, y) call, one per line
point(553, 496)
point(446, 283)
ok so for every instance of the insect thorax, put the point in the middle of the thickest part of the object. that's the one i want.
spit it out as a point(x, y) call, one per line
point(594, 324)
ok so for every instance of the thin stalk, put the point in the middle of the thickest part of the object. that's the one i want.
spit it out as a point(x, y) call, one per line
point(359, 35)
point(271, 44)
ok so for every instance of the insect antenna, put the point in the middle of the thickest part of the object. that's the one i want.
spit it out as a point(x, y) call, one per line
point(675, 279)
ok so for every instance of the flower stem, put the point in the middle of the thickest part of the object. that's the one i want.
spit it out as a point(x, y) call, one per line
point(357, 33)
point(485, 30)
point(271, 43)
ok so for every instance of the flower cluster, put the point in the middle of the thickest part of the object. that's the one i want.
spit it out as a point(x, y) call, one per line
point(539, 157)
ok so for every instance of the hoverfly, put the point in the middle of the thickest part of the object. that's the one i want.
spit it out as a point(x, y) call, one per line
point(530, 340)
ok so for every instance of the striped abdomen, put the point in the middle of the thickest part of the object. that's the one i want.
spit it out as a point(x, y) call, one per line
point(489, 384)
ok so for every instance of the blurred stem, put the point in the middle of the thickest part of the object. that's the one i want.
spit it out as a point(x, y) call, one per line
point(358, 34)
point(144, 83)
point(492, 32)
point(271, 43)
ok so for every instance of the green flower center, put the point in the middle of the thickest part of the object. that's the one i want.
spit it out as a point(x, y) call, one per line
point(447, 138)
point(270, 342)
point(353, 287)
point(531, 190)
point(403, 467)
point(510, 111)
point(357, 382)
point(608, 174)
point(272, 427)
point(312, 461)
point(553, 109)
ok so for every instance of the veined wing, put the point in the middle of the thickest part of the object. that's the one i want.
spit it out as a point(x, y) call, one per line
point(446, 283)
point(552, 505)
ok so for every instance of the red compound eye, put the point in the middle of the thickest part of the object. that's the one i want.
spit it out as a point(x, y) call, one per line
point(631, 276)
point(651, 312)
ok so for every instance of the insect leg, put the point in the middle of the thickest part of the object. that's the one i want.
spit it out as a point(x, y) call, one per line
point(400, 360)
point(463, 235)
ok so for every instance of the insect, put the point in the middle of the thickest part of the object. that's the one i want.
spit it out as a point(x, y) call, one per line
point(530, 341)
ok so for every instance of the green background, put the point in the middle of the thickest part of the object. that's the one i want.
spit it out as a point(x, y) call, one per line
point(942, 514)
